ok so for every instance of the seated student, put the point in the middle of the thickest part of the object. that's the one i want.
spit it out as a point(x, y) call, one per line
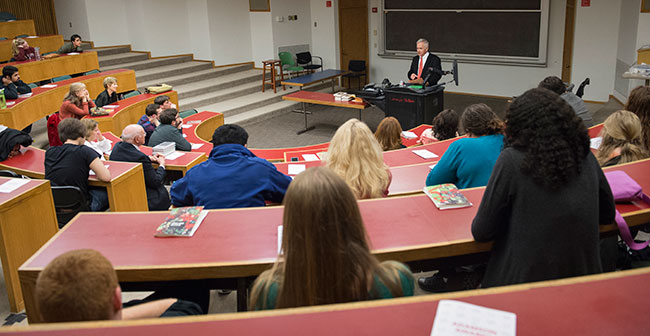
point(556, 85)
point(76, 103)
point(73, 46)
point(70, 164)
point(622, 139)
point(546, 197)
point(95, 139)
point(21, 51)
point(389, 134)
point(170, 130)
point(356, 156)
point(81, 285)
point(325, 256)
point(164, 102)
point(444, 126)
point(639, 103)
point(232, 177)
point(468, 162)
point(12, 84)
point(11, 140)
point(128, 150)
point(149, 121)
point(109, 95)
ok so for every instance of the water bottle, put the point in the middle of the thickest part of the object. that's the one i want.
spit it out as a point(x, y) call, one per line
point(37, 52)
point(3, 101)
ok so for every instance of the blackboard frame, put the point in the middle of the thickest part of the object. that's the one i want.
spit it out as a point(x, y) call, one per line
point(539, 61)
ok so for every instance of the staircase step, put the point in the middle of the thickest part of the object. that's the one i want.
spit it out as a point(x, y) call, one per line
point(111, 51)
point(230, 94)
point(157, 75)
point(121, 58)
point(215, 84)
point(261, 114)
point(148, 64)
point(188, 77)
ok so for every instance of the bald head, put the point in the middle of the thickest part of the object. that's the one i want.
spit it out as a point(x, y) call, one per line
point(131, 132)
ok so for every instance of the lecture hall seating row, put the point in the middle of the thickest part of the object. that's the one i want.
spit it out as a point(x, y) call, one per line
point(46, 43)
point(34, 71)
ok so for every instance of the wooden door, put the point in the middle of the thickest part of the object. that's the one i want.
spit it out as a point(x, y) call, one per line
point(569, 30)
point(353, 33)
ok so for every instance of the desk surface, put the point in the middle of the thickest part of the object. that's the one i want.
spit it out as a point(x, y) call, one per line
point(322, 98)
point(588, 305)
point(7, 198)
point(314, 77)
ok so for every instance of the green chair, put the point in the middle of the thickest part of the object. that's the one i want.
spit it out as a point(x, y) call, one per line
point(286, 59)
point(21, 36)
point(132, 94)
point(185, 114)
point(60, 78)
point(2, 38)
point(32, 85)
point(91, 72)
point(49, 53)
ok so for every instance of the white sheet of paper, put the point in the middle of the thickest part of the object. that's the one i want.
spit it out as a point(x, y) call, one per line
point(279, 239)
point(10, 103)
point(12, 185)
point(197, 146)
point(184, 135)
point(295, 169)
point(33, 36)
point(73, 53)
point(193, 121)
point(92, 172)
point(595, 142)
point(47, 86)
point(425, 154)
point(110, 106)
point(186, 126)
point(25, 95)
point(174, 155)
point(431, 166)
point(409, 135)
point(460, 318)
point(310, 157)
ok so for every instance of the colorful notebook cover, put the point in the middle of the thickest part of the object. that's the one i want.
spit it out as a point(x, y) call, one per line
point(447, 196)
point(181, 222)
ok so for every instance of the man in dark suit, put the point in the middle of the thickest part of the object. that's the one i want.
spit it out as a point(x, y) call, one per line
point(128, 151)
point(424, 65)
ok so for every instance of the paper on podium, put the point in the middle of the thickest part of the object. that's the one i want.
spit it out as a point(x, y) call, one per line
point(425, 154)
point(460, 318)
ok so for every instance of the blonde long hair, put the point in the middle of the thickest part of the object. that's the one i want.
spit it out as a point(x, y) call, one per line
point(622, 129)
point(14, 46)
point(355, 155)
point(71, 96)
point(325, 253)
point(389, 133)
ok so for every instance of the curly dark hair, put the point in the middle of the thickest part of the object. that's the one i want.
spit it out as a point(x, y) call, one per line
point(554, 139)
point(480, 120)
point(639, 103)
point(554, 84)
point(445, 124)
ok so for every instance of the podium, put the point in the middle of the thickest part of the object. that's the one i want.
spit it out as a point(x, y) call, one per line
point(413, 107)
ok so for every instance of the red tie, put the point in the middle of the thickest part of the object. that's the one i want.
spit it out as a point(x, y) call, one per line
point(420, 68)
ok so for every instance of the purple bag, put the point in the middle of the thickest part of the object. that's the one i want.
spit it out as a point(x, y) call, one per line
point(626, 190)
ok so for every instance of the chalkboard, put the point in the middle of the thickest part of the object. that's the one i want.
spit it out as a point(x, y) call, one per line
point(507, 31)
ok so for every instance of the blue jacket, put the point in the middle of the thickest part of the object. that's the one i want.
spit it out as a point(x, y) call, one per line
point(233, 177)
point(468, 162)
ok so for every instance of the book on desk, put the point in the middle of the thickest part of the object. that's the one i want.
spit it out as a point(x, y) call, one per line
point(447, 196)
point(181, 222)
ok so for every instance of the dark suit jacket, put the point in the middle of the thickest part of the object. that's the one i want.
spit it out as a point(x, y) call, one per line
point(157, 195)
point(433, 61)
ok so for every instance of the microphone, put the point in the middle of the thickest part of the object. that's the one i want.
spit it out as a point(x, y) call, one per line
point(430, 71)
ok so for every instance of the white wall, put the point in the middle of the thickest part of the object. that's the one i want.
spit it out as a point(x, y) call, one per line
point(106, 30)
point(262, 37)
point(626, 48)
point(325, 35)
point(230, 32)
point(595, 47)
point(72, 13)
point(498, 80)
point(200, 43)
point(288, 33)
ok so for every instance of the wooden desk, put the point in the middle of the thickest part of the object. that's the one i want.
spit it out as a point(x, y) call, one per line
point(637, 76)
point(27, 221)
point(126, 190)
point(240, 243)
point(587, 305)
point(129, 111)
point(314, 77)
point(46, 43)
point(10, 29)
point(36, 71)
point(22, 112)
point(182, 164)
point(320, 98)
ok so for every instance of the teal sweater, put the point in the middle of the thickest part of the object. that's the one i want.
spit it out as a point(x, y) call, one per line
point(468, 162)
point(378, 290)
